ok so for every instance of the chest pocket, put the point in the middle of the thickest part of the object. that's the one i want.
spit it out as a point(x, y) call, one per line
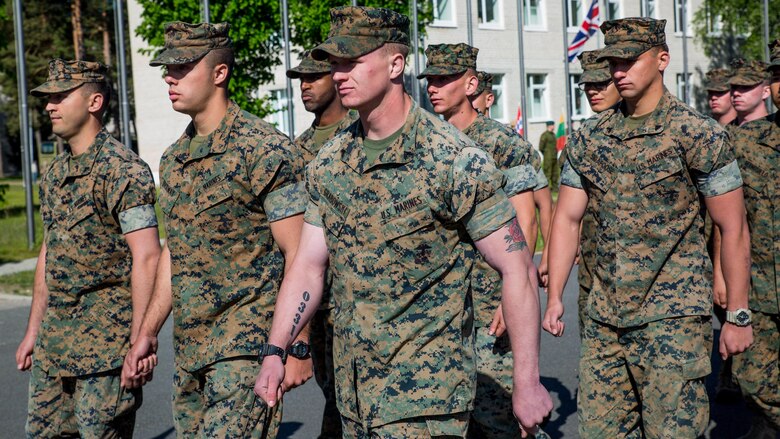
point(212, 205)
point(754, 177)
point(415, 243)
point(81, 210)
point(665, 184)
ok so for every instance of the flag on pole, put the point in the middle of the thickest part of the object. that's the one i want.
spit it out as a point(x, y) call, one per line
point(588, 27)
point(560, 135)
point(519, 121)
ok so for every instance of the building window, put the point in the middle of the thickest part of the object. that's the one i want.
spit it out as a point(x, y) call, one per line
point(650, 8)
point(498, 109)
point(537, 90)
point(575, 14)
point(580, 109)
point(533, 14)
point(613, 9)
point(681, 87)
point(444, 13)
point(281, 107)
point(714, 22)
point(489, 13)
point(678, 13)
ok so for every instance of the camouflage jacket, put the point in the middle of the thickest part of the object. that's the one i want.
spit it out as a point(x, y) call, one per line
point(757, 145)
point(88, 203)
point(643, 191)
point(218, 203)
point(515, 158)
point(395, 233)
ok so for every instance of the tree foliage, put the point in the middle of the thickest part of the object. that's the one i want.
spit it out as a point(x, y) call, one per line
point(256, 30)
point(734, 28)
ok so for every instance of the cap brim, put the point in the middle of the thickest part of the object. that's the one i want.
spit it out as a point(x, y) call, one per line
point(627, 50)
point(295, 72)
point(50, 87)
point(598, 75)
point(717, 87)
point(441, 71)
point(745, 82)
point(346, 46)
point(177, 56)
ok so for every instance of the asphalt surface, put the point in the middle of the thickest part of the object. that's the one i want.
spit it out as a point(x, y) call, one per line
point(303, 406)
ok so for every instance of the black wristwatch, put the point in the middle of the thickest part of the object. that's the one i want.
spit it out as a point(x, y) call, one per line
point(300, 350)
point(269, 349)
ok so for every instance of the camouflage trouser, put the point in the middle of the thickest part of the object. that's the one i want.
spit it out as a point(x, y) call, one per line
point(321, 341)
point(219, 401)
point(423, 427)
point(758, 371)
point(645, 381)
point(582, 306)
point(88, 406)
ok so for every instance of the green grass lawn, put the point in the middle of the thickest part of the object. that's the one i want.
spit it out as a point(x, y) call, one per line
point(13, 239)
point(17, 283)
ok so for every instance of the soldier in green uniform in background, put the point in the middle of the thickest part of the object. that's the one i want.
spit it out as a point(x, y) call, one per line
point(96, 267)
point(330, 117)
point(548, 148)
point(452, 80)
point(395, 200)
point(641, 172)
point(233, 200)
point(756, 139)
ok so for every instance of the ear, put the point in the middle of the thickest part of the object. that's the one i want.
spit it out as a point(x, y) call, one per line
point(220, 73)
point(766, 93)
point(95, 102)
point(397, 64)
point(472, 83)
point(489, 99)
point(663, 60)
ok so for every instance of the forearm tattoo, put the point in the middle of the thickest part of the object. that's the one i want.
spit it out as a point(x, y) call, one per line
point(301, 309)
point(515, 238)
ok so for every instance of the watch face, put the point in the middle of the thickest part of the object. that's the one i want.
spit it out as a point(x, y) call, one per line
point(742, 318)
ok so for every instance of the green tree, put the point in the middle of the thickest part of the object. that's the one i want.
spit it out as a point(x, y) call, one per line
point(732, 28)
point(256, 31)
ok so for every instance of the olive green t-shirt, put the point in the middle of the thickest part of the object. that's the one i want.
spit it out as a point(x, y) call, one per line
point(373, 148)
point(324, 133)
point(634, 122)
point(196, 142)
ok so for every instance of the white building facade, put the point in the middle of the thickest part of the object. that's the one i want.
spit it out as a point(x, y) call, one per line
point(494, 32)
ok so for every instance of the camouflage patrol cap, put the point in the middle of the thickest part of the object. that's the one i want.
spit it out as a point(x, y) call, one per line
point(748, 73)
point(67, 75)
point(628, 38)
point(593, 69)
point(718, 80)
point(186, 43)
point(448, 59)
point(485, 83)
point(358, 30)
point(774, 54)
point(308, 66)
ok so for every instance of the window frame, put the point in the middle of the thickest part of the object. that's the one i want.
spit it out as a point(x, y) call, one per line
point(544, 86)
point(452, 22)
point(575, 92)
point(498, 23)
point(542, 26)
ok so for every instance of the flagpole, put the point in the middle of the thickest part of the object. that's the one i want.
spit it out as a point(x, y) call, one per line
point(566, 64)
point(686, 85)
point(469, 25)
point(416, 50)
point(521, 61)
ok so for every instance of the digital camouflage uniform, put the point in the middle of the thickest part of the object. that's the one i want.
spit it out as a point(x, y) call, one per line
point(219, 200)
point(88, 203)
point(646, 344)
point(321, 325)
point(757, 146)
point(492, 416)
point(593, 71)
point(395, 232)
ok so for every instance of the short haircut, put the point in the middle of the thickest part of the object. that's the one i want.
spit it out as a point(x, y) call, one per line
point(102, 88)
point(393, 48)
point(222, 56)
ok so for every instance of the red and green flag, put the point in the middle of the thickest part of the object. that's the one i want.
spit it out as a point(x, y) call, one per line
point(560, 134)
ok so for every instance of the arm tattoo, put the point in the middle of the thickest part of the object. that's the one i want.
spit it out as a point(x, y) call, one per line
point(515, 238)
point(301, 308)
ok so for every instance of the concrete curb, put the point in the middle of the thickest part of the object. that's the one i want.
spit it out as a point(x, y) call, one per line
point(16, 267)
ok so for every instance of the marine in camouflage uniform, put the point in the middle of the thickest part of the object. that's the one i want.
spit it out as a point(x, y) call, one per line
point(646, 342)
point(483, 98)
point(450, 70)
point(757, 146)
point(394, 228)
point(330, 117)
point(97, 204)
point(226, 195)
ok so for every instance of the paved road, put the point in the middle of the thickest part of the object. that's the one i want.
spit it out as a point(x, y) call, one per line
point(303, 406)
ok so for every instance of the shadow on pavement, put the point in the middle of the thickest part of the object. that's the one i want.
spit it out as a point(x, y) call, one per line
point(287, 429)
point(567, 407)
point(731, 420)
point(171, 432)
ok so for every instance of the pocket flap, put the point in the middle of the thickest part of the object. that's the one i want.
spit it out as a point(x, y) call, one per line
point(659, 170)
point(698, 368)
point(212, 197)
point(407, 224)
point(81, 210)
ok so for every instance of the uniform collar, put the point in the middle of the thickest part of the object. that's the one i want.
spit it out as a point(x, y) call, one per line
point(217, 142)
point(345, 121)
point(82, 164)
point(399, 152)
point(613, 123)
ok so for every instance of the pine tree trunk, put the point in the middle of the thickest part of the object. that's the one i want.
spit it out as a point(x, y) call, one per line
point(106, 35)
point(78, 33)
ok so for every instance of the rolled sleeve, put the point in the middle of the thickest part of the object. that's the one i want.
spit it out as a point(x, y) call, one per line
point(285, 202)
point(541, 180)
point(137, 218)
point(570, 177)
point(489, 216)
point(720, 181)
point(519, 178)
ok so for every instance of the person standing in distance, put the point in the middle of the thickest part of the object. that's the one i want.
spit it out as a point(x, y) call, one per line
point(96, 268)
point(641, 172)
point(319, 96)
point(395, 201)
point(233, 202)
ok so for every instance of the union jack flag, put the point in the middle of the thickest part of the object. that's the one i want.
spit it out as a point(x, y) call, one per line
point(588, 27)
